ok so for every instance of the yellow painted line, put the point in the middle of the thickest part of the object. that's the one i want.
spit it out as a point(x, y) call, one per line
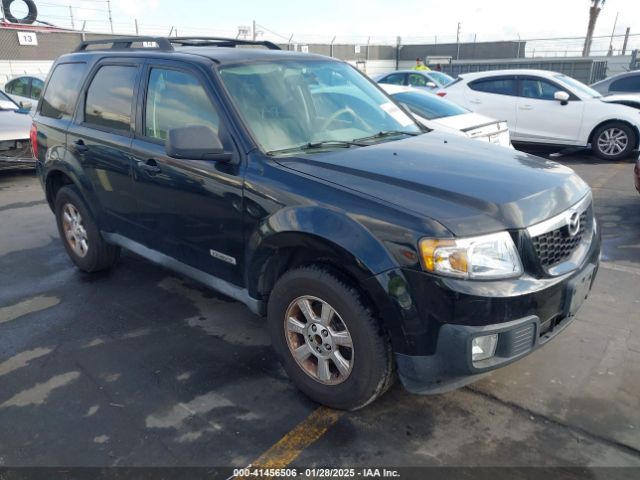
point(30, 305)
point(289, 447)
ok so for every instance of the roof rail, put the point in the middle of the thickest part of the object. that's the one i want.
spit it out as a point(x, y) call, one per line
point(219, 42)
point(118, 43)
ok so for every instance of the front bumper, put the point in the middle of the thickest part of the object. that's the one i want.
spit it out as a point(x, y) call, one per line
point(535, 318)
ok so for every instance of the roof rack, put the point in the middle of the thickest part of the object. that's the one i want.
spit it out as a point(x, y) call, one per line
point(118, 43)
point(166, 44)
point(220, 42)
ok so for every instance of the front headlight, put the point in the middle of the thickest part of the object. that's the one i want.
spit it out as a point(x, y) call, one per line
point(486, 257)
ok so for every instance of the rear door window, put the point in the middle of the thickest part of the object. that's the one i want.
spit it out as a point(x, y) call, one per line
point(60, 97)
point(19, 86)
point(176, 99)
point(394, 79)
point(497, 85)
point(626, 84)
point(109, 102)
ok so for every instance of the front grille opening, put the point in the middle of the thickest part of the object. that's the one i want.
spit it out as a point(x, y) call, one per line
point(558, 245)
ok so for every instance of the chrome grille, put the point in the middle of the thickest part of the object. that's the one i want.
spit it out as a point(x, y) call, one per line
point(558, 245)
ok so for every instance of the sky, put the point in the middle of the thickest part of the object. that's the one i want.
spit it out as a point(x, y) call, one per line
point(433, 20)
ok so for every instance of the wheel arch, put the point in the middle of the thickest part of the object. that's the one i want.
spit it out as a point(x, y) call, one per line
point(352, 254)
point(629, 124)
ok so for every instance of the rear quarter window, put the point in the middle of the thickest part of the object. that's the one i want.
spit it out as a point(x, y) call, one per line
point(60, 97)
point(626, 84)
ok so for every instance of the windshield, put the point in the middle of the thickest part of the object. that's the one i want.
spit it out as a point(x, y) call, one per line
point(579, 86)
point(440, 78)
point(289, 104)
point(429, 106)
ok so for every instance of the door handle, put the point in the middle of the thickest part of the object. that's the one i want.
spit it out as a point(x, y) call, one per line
point(476, 102)
point(150, 166)
point(79, 146)
point(526, 107)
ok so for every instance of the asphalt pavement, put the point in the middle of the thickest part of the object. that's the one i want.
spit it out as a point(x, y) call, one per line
point(140, 367)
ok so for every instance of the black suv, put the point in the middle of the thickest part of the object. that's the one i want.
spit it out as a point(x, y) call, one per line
point(292, 183)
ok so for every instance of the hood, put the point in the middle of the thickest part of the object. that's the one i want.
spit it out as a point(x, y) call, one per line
point(14, 125)
point(470, 187)
point(628, 99)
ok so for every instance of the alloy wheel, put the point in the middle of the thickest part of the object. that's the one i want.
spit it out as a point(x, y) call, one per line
point(613, 141)
point(74, 230)
point(319, 340)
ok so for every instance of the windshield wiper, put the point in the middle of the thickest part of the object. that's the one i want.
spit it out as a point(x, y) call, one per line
point(387, 133)
point(320, 144)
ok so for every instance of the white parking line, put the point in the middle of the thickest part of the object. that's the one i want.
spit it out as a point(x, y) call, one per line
point(620, 268)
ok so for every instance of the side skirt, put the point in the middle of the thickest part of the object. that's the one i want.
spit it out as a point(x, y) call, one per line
point(222, 286)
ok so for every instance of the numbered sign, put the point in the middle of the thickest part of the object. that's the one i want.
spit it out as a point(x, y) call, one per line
point(304, 48)
point(357, 48)
point(27, 38)
point(149, 45)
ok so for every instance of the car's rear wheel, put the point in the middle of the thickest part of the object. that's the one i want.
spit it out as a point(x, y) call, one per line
point(613, 141)
point(329, 342)
point(80, 235)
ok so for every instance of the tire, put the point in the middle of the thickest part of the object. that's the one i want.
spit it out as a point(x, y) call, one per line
point(368, 372)
point(75, 223)
point(613, 141)
point(31, 16)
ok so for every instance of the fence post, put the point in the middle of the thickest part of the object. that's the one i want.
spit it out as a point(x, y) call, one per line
point(626, 40)
point(398, 40)
point(330, 46)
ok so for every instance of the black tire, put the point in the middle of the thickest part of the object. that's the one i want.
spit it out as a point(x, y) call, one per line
point(31, 16)
point(372, 362)
point(99, 255)
point(599, 141)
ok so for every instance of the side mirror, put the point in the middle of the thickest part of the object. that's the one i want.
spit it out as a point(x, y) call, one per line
point(195, 142)
point(432, 85)
point(562, 97)
point(25, 105)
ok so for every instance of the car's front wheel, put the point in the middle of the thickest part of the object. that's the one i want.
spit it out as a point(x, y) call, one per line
point(328, 340)
point(613, 141)
point(79, 233)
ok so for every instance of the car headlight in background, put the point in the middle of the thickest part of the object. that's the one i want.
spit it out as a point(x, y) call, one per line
point(487, 257)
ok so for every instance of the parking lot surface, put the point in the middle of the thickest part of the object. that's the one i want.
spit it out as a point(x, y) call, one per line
point(140, 367)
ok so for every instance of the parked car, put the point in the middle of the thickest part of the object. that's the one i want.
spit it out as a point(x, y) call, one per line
point(550, 108)
point(15, 145)
point(628, 99)
point(439, 114)
point(25, 89)
point(627, 82)
point(368, 242)
point(425, 79)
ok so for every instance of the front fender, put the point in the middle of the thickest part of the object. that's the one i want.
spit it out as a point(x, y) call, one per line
point(325, 226)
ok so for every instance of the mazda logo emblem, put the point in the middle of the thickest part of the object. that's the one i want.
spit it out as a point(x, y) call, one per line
point(573, 223)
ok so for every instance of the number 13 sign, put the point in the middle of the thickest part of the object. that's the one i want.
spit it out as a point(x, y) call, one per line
point(27, 38)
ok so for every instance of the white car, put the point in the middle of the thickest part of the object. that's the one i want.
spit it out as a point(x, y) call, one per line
point(26, 89)
point(441, 115)
point(543, 107)
point(424, 79)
